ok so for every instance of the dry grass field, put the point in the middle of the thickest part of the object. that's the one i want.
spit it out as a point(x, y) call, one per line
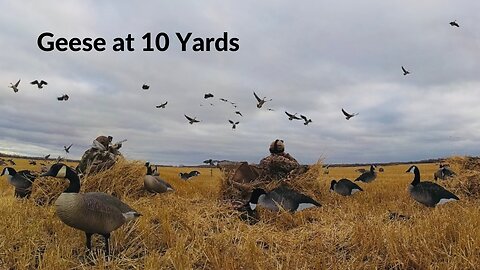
point(193, 229)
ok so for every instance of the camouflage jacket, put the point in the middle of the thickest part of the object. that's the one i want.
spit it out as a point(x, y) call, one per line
point(96, 160)
point(278, 166)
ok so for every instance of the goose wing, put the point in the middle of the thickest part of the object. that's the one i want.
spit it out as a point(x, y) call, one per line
point(110, 201)
point(430, 194)
point(189, 118)
point(346, 114)
point(17, 83)
point(258, 99)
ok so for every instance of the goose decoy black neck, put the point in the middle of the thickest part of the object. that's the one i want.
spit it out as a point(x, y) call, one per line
point(256, 193)
point(61, 170)
point(414, 169)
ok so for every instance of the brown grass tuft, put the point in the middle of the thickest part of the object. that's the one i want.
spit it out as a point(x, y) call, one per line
point(467, 181)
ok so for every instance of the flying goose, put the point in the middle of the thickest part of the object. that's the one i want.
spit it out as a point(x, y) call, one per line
point(39, 84)
point(67, 149)
point(260, 102)
point(21, 180)
point(347, 115)
point(153, 183)
point(92, 212)
point(209, 95)
point(15, 86)
point(47, 156)
point(234, 124)
point(454, 23)
point(191, 120)
point(292, 116)
point(344, 187)
point(405, 72)
point(307, 120)
point(368, 176)
point(145, 86)
point(239, 113)
point(64, 97)
point(282, 196)
point(162, 106)
point(428, 193)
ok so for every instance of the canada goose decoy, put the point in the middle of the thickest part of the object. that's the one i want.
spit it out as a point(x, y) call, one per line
point(368, 176)
point(39, 84)
point(92, 212)
point(260, 101)
point(282, 196)
point(347, 115)
point(344, 187)
point(307, 120)
point(239, 113)
point(454, 23)
point(292, 116)
point(67, 149)
point(162, 106)
point(22, 181)
point(234, 124)
point(443, 173)
point(63, 98)
point(428, 193)
point(186, 176)
point(145, 87)
point(405, 72)
point(47, 156)
point(191, 120)
point(15, 86)
point(209, 95)
point(153, 183)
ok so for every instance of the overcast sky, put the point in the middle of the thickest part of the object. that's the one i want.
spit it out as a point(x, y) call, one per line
point(311, 58)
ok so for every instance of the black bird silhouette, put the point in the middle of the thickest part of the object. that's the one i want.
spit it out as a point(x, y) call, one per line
point(239, 113)
point(145, 86)
point(292, 116)
point(454, 23)
point(63, 97)
point(260, 101)
point(12, 162)
point(405, 72)
point(39, 84)
point(32, 162)
point(67, 149)
point(15, 86)
point(347, 115)
point(270, 109)
point(234, 124)
point(191, 120)
point(209, 95)
point(46, 157)
point(224, 100)
point(162, 105)
point(307, 121)
point(186, 176)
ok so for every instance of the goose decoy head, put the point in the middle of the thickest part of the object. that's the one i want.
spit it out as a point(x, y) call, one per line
point(8, 171)
point(256, 193)
point(58, 170)
point(332, 185)
point(412, 169)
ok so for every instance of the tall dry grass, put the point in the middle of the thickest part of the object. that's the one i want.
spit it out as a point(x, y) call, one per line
point(192, 229)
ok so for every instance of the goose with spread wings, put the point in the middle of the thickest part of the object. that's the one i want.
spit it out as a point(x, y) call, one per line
point(347, 115)
point(39, 84)
point(260, 101)
point(292, 116)
point(191, 120)
point(162, 106)
point(15, 86)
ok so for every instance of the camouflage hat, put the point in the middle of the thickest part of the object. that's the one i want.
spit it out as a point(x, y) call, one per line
point(103, 140)
point(277, 147)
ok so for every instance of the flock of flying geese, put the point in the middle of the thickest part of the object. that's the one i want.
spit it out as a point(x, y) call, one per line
point(101, 213)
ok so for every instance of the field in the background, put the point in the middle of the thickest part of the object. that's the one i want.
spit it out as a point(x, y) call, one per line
point(193, 229)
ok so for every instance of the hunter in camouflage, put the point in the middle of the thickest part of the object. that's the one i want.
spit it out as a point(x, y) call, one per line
point(101, 156)
point(278, 164)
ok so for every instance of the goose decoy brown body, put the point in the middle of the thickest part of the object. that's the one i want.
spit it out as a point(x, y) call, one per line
point(443, 173)
point(428, 193)
point(15, 86)
point(368, 176)
point(21, 180)
point(344, 187)
point(39, 84)
point(282, 196)
point(92, 212)
point(153, 183)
